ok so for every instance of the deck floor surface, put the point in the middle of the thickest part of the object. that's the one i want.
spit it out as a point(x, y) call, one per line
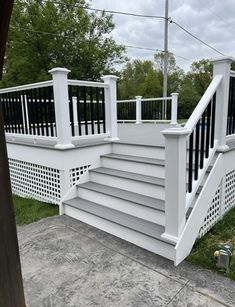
point(66, 263)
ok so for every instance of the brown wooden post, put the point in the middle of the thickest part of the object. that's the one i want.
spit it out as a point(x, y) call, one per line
point(11, 285)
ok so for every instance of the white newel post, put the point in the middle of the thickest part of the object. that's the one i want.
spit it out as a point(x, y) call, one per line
point(111, 107)
point(61, 101)
point(221, 66)
point(175, 181)
point(138, 109)
point(174, 108)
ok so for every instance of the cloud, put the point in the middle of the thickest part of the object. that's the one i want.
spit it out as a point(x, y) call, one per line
point(212, 21)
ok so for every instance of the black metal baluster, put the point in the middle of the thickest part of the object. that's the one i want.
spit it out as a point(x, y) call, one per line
point(202, 141)
point(44, 126)
point(37, 110)
point(98, 109)
point(2, 100)
point(103, 110)
point(196, 161)
point(85, 109)
point(190, 167)
point(208, 127)
point(71, 115)
point(92, 111)
point(19, 113)
point(51, 110)
point(213, 121)
point(31, 102)
point(229, 121)
point(78, 111)
point(12, 112)
point(233, 107)
point(13, 105)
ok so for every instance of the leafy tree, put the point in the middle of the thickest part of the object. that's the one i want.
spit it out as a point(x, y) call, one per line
point(175, 73)
point(188, 98)
point(201, 75)
point(47, 34)
point(145, 78)
point(139, 78)
point(194, 86)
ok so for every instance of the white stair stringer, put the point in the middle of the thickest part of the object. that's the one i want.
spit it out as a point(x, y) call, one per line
point(199, 211)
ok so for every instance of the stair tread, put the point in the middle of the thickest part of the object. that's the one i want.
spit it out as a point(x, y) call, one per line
point(129, 221)
point(126, 195)
point(129, 175)
point(135, 159)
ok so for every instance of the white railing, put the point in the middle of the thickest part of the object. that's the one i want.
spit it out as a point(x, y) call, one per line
point(32, 114)
point(189, 151)
point(230, 135)
point(141, 109)
point(26, 87)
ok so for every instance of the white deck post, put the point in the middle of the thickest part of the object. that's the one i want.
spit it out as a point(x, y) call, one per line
point(175, 181)
point(221, 66)
point(174, 108)
point(111, 107)
point(138, 109)
point(61, 101)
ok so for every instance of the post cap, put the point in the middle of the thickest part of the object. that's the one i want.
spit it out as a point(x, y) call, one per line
point(109, 77)
point(138, 97)
point(59, 70)
point(176, 132)
point(174, 94)
point(223, 59)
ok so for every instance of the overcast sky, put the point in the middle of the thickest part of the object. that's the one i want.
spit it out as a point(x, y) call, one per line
point(211, 20)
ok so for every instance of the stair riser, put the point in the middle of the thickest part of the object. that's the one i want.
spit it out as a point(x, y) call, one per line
point(142, 212)
point(144, 188)
point(139, 239)
point(141, 151)
point(134, 167)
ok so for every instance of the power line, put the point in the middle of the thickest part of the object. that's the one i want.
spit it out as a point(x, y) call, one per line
point(145, 16)
point(110, 11)
point(195, 37)
point(127, 46)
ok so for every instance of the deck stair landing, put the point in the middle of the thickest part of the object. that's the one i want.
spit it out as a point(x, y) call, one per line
point(125, 197)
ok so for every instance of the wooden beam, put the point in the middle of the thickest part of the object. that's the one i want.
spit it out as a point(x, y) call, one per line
point(11, 285)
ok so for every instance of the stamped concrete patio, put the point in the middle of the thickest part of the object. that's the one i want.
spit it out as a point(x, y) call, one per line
point(68, 263)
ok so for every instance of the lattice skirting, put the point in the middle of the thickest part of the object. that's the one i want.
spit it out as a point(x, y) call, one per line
point(40, 182)
point(222, 202)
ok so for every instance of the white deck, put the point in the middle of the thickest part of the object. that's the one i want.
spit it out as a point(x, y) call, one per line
point(144, 134)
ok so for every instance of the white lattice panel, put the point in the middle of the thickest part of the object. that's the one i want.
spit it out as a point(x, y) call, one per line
point(229, 200)
point(213, 213)
point(76, 173)
point(36, 181)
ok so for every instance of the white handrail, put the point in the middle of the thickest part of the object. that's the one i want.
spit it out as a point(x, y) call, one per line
point(203, 103)
point(232, 73)
point(87, 83)
point(26, 87)
point(145, 99)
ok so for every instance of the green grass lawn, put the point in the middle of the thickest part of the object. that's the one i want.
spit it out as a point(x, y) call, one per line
point(30, 210)
point(203, 250)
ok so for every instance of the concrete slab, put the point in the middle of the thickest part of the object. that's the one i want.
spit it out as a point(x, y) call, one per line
point(68, 263)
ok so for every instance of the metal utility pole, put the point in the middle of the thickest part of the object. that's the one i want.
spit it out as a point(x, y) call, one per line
point(11, 285)
point(165, 56)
